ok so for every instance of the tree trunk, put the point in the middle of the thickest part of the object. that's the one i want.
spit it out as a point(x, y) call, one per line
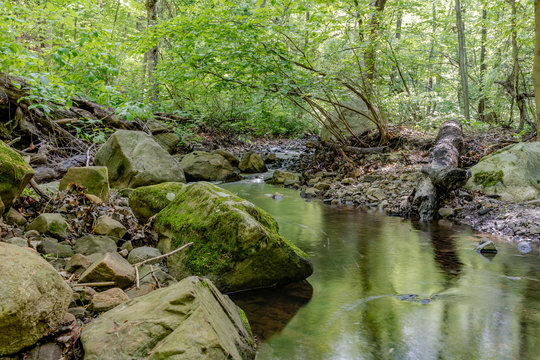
point(536, 70)
point(515, 66)
point(431, 56)
point(442, 175)
point(152, 54)
point(483, 68)
point(369, 55)
point(462, 51)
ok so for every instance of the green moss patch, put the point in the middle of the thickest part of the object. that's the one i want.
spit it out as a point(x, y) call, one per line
point(488, 179)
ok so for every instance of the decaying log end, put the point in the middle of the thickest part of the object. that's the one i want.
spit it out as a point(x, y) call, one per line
point(442, 175)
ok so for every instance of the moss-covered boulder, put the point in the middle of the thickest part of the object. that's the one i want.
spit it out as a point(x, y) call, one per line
point(94, 178)
point(202, 165)
point(188, 320)
point(513, 173)
point(284, 177)
point(15, 174)
point(147, 201)
point(33, 298)
point(236, 244)
point(50, 224)
point(134, 158)
point(252, 163)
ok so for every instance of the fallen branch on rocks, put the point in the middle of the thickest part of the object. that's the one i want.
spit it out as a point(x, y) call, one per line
point(154, 259)
point(443, 173)
point(354, 149)
point(96, 284)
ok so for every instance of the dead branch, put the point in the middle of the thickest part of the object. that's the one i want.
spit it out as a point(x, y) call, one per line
point(156, 258)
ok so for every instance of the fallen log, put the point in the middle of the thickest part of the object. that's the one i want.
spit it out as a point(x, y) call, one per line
point(443, 173)
point(354, 149)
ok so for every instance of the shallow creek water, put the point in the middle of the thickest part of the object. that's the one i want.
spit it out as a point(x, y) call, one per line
point(387, 288)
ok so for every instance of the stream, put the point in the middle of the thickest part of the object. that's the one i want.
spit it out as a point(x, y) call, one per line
point(388, 288)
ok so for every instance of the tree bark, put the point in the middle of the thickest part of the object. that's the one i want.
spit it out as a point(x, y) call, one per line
point(369, 55)
point(483, 99)
point(152, 54)
point(462, 52)
point(515, 68)
point(536, 70)
point(442, 175)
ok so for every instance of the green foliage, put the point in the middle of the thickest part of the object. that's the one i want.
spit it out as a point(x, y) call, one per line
point(254, 69)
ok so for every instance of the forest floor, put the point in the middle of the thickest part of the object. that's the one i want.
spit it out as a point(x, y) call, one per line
point(383, 181)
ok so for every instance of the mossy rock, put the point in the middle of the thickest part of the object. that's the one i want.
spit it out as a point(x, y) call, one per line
point(51, 224)
point(187, 320)
point(147, 201)
point(488, 178)
point(94, 178)
point(33, 298)
point(236, 244)
point(513, 173)
point(252, 163)
point(15, 174)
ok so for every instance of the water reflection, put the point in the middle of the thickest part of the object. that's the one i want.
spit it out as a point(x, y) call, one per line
point(384, 288)
point(269, 310)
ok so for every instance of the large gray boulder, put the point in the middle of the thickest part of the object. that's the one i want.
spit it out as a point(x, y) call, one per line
point(135, 159)
point(188, 320)
point(513, 173)
point(357, 122)
point(15, 174)
point(236, 244)
point(33, 298)
point(202, 165)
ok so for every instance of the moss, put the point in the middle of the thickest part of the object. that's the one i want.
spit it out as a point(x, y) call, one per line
point(488, 179)
point(246, 323)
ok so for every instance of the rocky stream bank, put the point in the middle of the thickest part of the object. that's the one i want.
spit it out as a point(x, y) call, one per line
point(122, 259)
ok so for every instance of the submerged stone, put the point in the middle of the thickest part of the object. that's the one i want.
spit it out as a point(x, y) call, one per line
point(486, 246)
point(236, 244)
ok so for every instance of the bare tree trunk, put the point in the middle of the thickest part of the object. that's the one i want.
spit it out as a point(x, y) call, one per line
point(515, 66)
point(152, 54)
point(463, 71)
point(483, 68)
point(536, 70)
point(443, 173)
point(369, 55)
point(431, 55)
